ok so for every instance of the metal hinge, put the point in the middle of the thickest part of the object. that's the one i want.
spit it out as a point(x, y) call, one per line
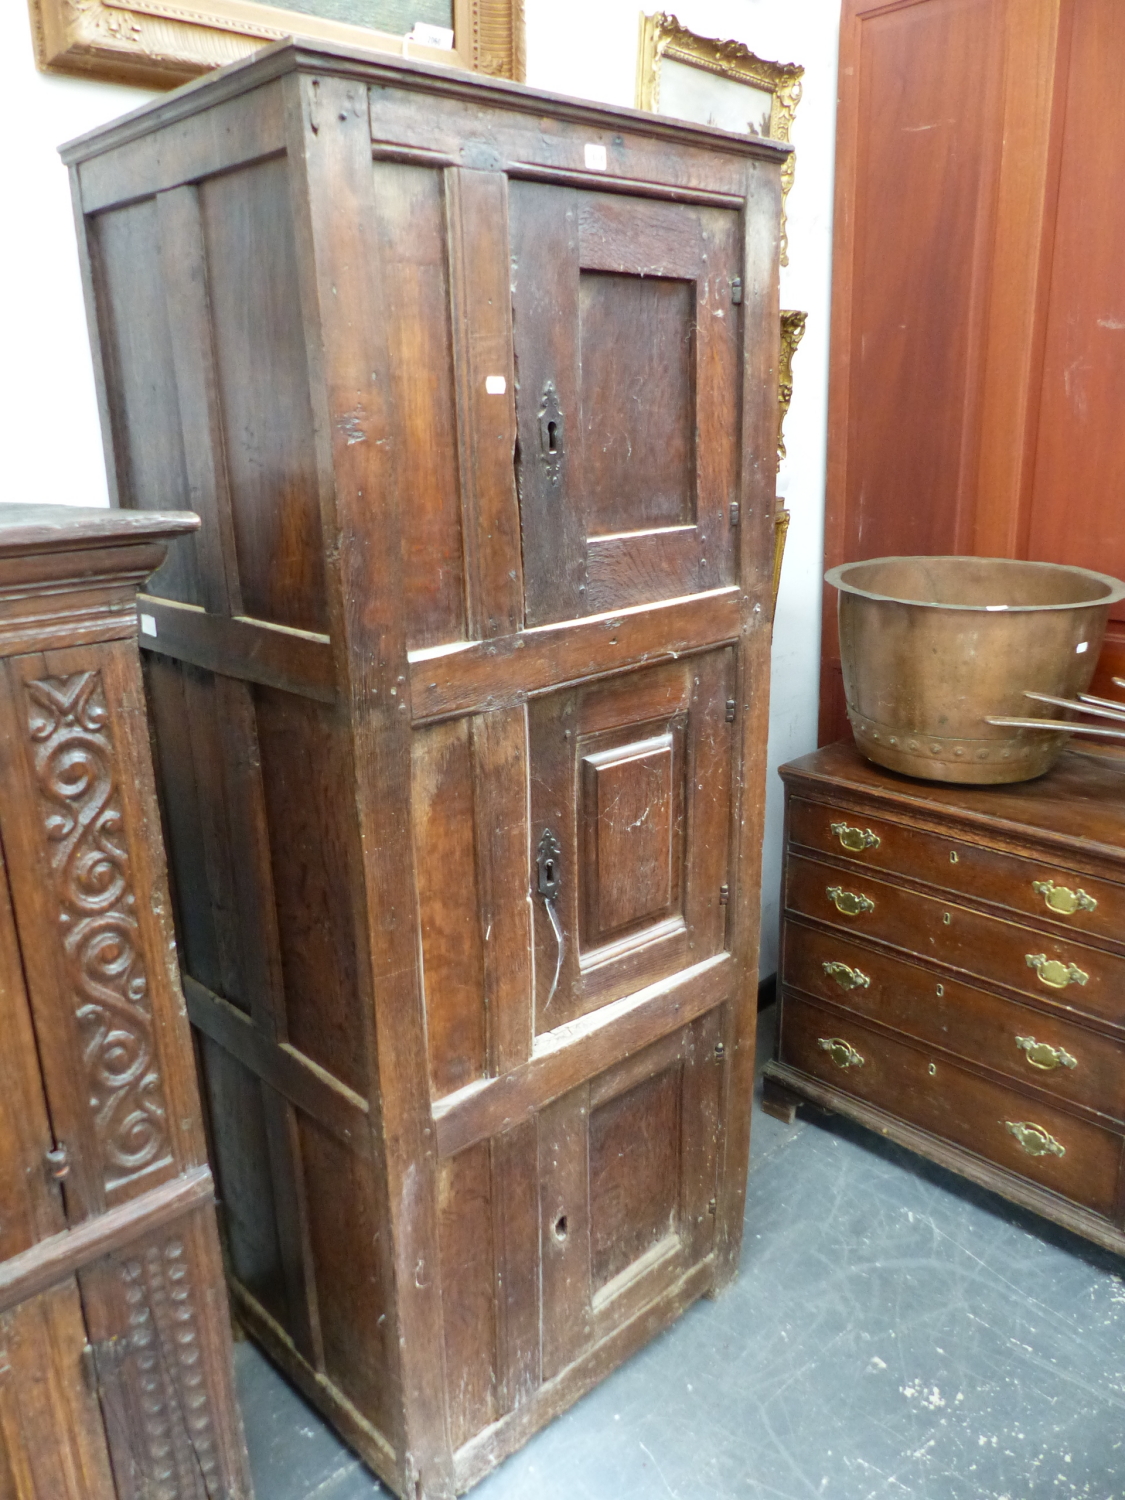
point(720, 1049)
point(724, 894)
point(713, 1207)
point(730, 710)
point(736, 290)
point(734, 513)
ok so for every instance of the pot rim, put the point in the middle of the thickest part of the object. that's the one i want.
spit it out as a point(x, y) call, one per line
point(1115, 587)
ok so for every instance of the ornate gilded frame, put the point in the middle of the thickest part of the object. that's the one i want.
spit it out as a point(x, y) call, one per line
point(792, 332)
point(162, 43)
point(663, 36)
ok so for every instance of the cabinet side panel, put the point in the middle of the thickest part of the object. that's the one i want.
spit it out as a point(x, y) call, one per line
point(449, 905)
point(468, 1291)
point(141, 379)
point(411, 224)
point(305, 776)
point(263, 383)
point(356, 1316)
point(240, 1155)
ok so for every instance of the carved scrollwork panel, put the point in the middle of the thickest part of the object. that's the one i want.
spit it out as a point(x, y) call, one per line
point(80, 808)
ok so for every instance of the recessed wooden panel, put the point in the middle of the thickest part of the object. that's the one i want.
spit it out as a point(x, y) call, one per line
point(631, 808)
point(468, 1293)
point(635, 1158)
point(304, 764)
point(144, 402)
point(353, 1303)
point(258, 334)
point(449, 904)
point(244, 1183)
point(1076, 510)
point(638, 406)
point(412, 233)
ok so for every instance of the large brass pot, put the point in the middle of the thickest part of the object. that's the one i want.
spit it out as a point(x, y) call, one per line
point(931, 645)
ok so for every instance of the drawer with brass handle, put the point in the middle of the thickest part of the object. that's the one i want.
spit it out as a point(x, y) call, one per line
point(1078, 902)
point(1086, 981)
point(1051, 1055)
point(1068, 1154)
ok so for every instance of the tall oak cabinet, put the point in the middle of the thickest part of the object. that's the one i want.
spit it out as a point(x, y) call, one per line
point(460, 704)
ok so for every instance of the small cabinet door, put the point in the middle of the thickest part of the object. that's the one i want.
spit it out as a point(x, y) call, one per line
point(625, 330)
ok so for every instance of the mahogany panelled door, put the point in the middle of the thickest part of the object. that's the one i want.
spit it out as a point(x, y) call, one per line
point(460, 698)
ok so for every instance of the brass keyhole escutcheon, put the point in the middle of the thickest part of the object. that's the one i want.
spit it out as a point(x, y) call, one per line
point(842, 1053)
point(1061, 899)
point(1053, 973)
point(845, 976)
point(1034, 1139)
point(855, 839)
point(850, 903)
point(1045, 1057)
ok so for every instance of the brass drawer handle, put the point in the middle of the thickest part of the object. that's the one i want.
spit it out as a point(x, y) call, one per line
point(849, 902)
point(847, 978)
point(1061, 899)
point(842, 1053)
point(855, 839)
point(1040, 1055)
point(1054, 974)
point(1034, 1139)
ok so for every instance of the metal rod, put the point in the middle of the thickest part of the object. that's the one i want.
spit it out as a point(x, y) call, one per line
point(1057, 726)
point(1104, 702)
point(1082, 708)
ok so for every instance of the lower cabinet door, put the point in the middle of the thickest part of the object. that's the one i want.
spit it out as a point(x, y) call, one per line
point(52, 1442)
point(627, 1165)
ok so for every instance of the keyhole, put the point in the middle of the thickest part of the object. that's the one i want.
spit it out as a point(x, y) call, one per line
point(560, 1227)
point(552, 434)
point(550, 868)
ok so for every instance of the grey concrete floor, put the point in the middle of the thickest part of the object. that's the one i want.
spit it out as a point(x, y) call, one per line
point(895, 1332)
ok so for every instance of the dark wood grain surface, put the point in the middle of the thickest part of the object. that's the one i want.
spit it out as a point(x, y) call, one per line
point(483, 444)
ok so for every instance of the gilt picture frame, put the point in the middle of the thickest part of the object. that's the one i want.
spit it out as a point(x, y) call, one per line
point(714, 82)
point(160, 44)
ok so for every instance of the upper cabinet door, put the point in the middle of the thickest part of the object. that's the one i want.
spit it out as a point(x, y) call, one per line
point(627, 397)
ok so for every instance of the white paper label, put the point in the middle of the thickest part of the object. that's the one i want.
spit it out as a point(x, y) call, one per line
point(495, 385)
point(432, 36)
point(148, 624)
point(595, 157)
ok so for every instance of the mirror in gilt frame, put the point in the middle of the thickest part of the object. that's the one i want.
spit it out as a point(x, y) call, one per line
point(718, 83)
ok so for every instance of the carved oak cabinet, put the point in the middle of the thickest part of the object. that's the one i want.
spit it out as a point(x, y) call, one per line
point(460, 699)
point(115, 1377)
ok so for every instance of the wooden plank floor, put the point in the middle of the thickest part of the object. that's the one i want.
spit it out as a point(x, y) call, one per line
point(894, 1333)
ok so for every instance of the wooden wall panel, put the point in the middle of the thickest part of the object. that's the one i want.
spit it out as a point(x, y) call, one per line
point(1076, 511)
point(915, 177)
point(1030, 448)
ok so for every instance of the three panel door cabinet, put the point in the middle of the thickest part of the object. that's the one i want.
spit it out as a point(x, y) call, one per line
point(115, 1357)
point(460, 701)
point(953, 973)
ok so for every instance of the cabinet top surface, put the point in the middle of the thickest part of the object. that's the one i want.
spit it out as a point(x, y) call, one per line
point(385, 70)
point(63, 528)
point(1082, 800)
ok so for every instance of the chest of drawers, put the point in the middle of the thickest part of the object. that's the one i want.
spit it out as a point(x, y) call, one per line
point(953, 973)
